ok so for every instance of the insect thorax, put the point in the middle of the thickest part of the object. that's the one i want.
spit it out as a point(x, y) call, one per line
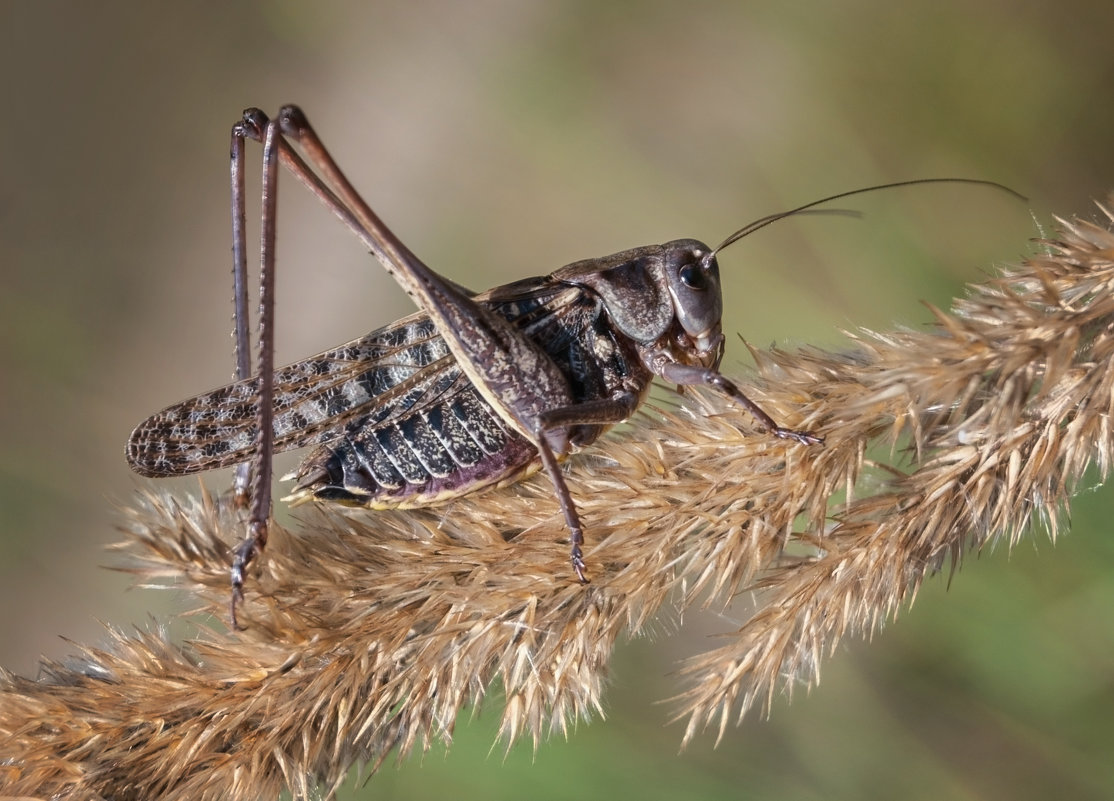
point(449, 441)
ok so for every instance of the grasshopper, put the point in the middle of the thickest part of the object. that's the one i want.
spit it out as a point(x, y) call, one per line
point(472, 391)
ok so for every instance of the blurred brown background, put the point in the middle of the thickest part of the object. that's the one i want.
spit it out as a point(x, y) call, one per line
point(502, 139)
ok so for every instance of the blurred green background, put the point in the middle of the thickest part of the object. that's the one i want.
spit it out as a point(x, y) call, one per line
point(502, 139)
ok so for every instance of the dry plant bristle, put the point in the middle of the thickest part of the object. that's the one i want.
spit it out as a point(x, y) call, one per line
point(368, 632)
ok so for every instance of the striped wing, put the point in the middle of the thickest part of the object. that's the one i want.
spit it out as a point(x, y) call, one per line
point(399, 369)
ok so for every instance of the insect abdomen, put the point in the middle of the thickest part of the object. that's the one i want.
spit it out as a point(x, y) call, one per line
point(459, 444)
point(445, 451)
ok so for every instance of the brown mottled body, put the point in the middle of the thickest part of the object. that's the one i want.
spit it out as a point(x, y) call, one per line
point(395, 422)
point(470, 392)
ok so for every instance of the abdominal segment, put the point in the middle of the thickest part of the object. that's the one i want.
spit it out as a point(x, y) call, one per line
point(446, 450)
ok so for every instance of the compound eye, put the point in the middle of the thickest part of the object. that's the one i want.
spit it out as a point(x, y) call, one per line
point(694, 277)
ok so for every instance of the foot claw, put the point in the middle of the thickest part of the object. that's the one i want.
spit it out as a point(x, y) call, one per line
point(578, 565)
point(243, 555)
point(803, 437)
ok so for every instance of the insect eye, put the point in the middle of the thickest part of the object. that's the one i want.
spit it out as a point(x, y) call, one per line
point(692, 276)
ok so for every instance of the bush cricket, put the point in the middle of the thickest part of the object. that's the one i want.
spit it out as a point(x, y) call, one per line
point(472, 391)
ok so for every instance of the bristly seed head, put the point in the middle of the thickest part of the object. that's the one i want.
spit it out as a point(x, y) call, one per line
point(369, 633)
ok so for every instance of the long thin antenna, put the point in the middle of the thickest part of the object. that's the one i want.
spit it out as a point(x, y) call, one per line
point(762, 222)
